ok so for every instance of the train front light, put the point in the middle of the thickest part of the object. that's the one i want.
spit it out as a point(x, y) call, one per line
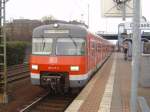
point(34, 67)
point(74, 68)
point(56, 25)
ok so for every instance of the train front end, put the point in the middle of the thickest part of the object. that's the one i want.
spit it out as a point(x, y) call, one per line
point(59, 56)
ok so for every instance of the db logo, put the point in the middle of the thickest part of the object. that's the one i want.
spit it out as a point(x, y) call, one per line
point(52, 60)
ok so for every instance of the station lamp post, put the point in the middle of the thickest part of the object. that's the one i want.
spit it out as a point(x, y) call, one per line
point(136, 54)
point(136, 49)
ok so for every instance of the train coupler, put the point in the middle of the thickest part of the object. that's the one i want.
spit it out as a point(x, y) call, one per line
point(57, 84)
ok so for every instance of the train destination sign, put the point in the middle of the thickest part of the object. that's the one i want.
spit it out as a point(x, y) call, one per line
point(56, 31)
point(143, 26)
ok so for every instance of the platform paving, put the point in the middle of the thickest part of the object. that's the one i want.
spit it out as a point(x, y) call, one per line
point(121, 94)
point(109, 89)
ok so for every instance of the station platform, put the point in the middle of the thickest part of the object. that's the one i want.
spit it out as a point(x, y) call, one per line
point(109, 89)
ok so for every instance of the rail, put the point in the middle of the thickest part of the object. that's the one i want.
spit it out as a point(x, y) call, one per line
point(50, 103)
point(28, 107)
point(17, 72)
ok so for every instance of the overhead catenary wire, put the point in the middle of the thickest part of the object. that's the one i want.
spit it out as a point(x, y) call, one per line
point(82, 7)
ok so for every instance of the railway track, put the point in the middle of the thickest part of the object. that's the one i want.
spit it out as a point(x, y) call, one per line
point(17, 72)
point(50, 103)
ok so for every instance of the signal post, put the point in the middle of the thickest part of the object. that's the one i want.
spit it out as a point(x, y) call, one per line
point(3, 63)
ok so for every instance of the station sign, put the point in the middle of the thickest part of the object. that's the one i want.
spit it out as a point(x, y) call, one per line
point(143, 26)
point(109, 8)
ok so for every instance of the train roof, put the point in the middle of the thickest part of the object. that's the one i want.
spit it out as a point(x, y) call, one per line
point(60, 29)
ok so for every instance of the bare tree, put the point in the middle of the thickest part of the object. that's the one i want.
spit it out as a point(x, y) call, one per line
point(47, 19)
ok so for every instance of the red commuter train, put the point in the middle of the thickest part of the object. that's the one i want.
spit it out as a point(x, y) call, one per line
point(66, 55)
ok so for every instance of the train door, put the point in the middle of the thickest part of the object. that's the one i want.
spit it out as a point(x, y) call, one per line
point(95, 53)
point(90, 52)
point(98, 52)
point(102, 51)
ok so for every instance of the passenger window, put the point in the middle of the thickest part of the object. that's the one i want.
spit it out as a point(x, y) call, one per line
point(93, 46)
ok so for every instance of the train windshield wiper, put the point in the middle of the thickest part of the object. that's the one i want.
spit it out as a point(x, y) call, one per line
point(43, 42)
point(75, 44)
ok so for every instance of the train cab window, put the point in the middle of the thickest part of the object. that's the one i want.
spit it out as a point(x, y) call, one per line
point(70, 46)
point(42, 46)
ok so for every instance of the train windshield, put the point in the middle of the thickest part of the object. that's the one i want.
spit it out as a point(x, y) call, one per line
point(42, 46)
point(70, 46)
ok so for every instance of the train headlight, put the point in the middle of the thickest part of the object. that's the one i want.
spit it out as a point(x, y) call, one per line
point(56, 25)
point(34, 67)
point(74, 68)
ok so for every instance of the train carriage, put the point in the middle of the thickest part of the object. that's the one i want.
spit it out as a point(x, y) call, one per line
point(65, 55)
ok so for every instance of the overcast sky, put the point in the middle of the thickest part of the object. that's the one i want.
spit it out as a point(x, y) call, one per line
point(67, 10)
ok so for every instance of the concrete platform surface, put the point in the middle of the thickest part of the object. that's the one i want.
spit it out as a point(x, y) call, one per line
point(109, 89)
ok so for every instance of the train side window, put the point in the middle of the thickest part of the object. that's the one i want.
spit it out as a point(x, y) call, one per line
point(93, 46)
point(98, 47)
